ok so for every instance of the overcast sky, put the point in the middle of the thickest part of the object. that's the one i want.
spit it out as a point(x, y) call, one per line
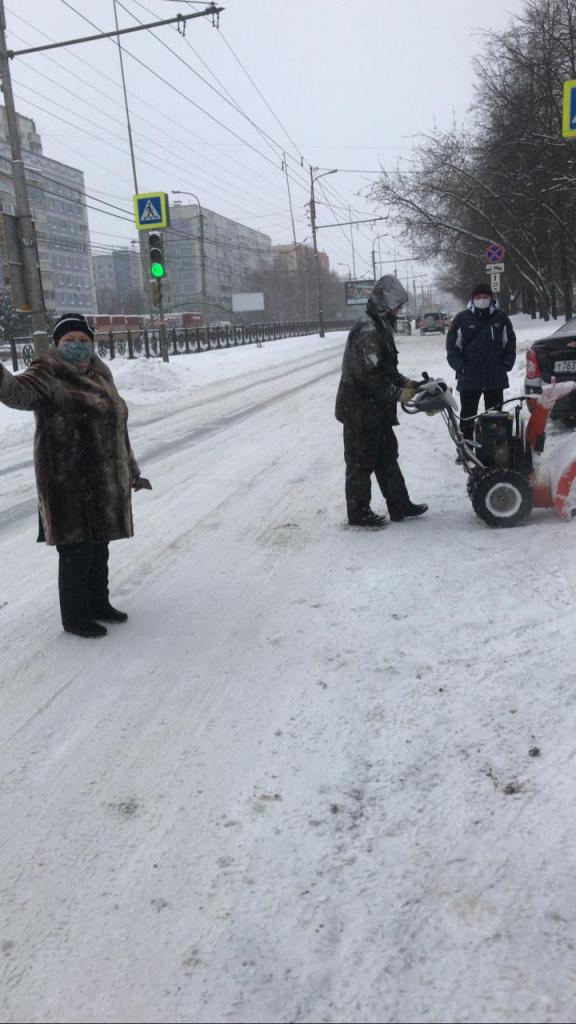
point(346, 84)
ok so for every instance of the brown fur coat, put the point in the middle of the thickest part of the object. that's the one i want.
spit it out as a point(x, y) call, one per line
point(82, 456)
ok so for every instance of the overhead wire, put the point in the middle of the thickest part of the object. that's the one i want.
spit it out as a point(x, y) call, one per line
point(175, 88)
point(120, 148)
point(231, 103)
point(163, 116)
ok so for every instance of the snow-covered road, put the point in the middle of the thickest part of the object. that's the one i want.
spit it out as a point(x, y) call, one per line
point(321, 774)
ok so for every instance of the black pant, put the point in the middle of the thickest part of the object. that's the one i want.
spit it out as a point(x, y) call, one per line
point(82, 581)
point(373, 451)
point(469, 402)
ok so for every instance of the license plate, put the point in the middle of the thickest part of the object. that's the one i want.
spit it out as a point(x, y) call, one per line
point(565, 366)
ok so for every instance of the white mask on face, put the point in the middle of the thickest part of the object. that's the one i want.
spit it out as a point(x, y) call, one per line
point(481, 303)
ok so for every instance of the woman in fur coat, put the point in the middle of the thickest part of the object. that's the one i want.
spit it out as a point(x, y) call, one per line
point(85, 467)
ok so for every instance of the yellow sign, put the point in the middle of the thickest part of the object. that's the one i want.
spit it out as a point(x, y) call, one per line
point(151, 211)
point(569, 110)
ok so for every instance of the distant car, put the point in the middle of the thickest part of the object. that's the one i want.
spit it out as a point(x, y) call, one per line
point(431, 323)
point(554, 356)
point(221, 323)
point(403, 324)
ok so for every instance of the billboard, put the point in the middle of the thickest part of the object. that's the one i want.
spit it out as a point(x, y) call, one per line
point(357, 292)
point(247, 302)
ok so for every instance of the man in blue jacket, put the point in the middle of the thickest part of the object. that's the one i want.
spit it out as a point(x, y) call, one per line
point(481, 349)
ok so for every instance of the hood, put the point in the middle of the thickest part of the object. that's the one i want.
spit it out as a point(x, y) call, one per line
point(386, 294)
point(491, 308)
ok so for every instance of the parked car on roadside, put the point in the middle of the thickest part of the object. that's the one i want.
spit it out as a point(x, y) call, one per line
point(554, 356)
point(431, 323)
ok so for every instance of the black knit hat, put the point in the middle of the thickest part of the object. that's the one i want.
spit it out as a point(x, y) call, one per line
point(482, 289)
point(72, 322)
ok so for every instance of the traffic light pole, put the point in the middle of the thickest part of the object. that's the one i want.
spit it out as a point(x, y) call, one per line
point(31, 263)
point(163, 338)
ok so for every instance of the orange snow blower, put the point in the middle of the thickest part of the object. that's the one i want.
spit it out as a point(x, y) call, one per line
point(511, 465)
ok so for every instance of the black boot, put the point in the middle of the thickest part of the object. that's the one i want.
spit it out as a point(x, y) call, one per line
point(409, 512)
point(368, 519)
point(73, 572)
point(87, 629)
point(100, 607)
point(107, 613)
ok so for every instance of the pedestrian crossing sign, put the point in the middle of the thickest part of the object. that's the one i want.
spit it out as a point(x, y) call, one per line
point(151, 210)
point(569, 111)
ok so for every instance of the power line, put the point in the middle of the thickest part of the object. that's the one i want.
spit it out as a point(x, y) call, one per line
point(57, 117)
point(176, 90)
point(164, 116)
point(235, 106)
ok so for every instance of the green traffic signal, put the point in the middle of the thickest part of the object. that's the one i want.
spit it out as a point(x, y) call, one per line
point(156, 255)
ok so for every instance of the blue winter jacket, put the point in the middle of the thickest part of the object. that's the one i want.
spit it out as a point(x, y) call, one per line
point(481, 348)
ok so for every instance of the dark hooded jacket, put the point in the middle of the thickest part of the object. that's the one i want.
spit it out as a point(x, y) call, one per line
point(481, 348)
point(369, 386)
point(82, 456)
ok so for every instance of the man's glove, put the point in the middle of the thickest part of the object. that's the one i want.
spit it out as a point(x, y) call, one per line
point(408, 390)
point(141, 484)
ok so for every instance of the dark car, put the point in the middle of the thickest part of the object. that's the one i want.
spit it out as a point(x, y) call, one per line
point(432, 323)
point(554, 356)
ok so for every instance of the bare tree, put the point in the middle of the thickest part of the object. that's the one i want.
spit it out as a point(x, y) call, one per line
point(511, 177)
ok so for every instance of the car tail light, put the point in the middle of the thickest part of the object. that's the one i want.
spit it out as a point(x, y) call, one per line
point(533, 370)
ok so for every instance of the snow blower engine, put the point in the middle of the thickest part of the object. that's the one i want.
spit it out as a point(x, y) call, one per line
point(508, 472)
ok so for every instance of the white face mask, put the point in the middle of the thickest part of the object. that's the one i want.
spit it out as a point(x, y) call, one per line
point(482, 303)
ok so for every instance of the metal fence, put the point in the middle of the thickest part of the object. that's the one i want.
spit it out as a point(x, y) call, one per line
point(181, 341)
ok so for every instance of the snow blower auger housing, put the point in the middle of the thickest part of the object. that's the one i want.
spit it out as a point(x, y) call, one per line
point(508, 473)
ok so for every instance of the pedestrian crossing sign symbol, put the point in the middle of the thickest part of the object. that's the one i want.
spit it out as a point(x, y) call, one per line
point(569, 110)
point(151, 210)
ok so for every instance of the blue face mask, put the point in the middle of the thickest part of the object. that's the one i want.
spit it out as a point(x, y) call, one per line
point(76, 352)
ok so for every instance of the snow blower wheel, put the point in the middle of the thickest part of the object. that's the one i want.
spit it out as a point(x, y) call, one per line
point(501, 497)
point(471, 483)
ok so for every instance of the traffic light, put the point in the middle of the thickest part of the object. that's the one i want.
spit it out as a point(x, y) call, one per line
point(156, 264)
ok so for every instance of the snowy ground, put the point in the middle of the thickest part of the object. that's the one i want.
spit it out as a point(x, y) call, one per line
point(321, 774)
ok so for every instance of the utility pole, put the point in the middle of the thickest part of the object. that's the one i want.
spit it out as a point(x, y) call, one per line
point(142, 243)
point(26, 228)
point(285, 169)
point(352, 243)
point(321, 330)
point(374, 264)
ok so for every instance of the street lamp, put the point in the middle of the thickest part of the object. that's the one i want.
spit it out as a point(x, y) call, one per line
point(313, 179)
point(203, 300)
point(377, 239)
point(349, 272)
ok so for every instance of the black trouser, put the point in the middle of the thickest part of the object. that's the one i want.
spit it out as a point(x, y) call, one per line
point(82, 581)
point(469, 402)
point(373, 451)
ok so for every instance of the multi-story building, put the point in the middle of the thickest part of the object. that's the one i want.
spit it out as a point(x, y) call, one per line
point(118, 279)
point(58, 205)
point(300, 256)
point(233, 255)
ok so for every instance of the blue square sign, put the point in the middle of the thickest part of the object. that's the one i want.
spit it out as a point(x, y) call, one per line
point(151, 210)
